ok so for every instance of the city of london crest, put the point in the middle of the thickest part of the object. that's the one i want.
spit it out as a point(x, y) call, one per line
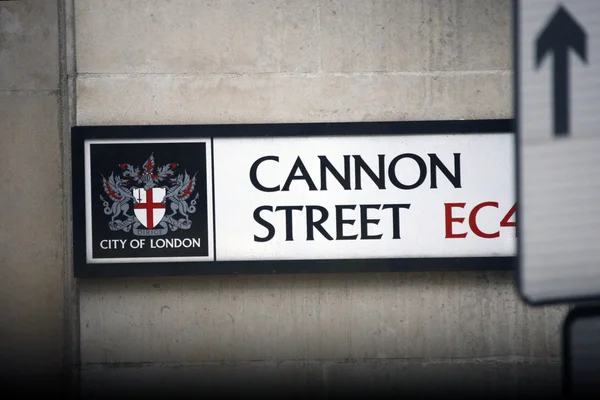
point(149, 201)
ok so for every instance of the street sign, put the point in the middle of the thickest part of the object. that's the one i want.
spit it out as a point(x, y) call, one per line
point(169, 200)
point(581, 353)
point(557, 122)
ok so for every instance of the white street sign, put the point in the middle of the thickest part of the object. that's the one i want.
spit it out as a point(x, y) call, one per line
point(557, 112)
point(208, 199)
point(393, 201)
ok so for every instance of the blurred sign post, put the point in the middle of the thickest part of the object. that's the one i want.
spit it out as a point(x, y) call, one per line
point(581, 351)
point(557, 116)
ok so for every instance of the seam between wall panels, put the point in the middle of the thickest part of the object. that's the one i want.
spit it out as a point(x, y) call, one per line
point(328, 362)
point(108, 74)
point(71, 342)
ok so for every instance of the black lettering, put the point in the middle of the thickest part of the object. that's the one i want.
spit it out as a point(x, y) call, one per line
point(289, 227)
point(340, 221)
point(311, 223)
point(360, 164)
point(298, 165)
point(435, 163)
point(260, 220)
point(396, 217)
point(254, 178)
point(364, 221)
point(343, 180)
point(422, 171)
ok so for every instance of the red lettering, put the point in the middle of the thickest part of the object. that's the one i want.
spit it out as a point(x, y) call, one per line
point(505, 223)
point(450, 220)
point(473, 220)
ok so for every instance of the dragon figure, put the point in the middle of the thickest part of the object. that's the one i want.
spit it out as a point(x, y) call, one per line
point(147, 176)
point(116, 188)
point(182, 189)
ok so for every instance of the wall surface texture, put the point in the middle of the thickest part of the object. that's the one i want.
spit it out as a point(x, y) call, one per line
point(238, 61)
point(232, 61)
point(31, 196)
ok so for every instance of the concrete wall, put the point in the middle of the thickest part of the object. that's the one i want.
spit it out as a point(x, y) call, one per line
point(32, 223)
point(158, 62)
point(298, 60)
point(184, 61)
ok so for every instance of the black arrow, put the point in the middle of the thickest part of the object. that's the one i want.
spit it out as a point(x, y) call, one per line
point(559, 34)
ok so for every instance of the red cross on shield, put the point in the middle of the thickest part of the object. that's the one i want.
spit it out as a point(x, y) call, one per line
point(149, 210)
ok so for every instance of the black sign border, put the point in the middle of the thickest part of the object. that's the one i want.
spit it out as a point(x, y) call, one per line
point(83, 269)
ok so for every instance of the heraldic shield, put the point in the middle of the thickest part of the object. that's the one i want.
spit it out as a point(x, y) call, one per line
point(149, 206)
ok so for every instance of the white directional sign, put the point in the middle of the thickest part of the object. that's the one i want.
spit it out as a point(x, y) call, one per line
point(557, 112)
